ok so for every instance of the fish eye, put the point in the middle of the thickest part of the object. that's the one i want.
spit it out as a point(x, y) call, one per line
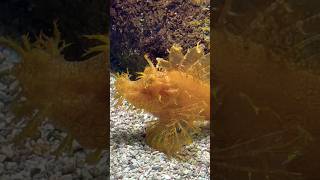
point(178, 129)
point(150, 79)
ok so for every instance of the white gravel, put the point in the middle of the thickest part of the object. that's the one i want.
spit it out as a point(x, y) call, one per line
point(32, 160)
point(131, 158)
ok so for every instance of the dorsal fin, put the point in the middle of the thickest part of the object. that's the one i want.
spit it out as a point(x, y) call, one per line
point(194, 62)
point(176, 56)
point(150, 62)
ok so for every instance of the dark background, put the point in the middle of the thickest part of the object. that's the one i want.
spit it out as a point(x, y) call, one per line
point(281, 141)
point(75, 18)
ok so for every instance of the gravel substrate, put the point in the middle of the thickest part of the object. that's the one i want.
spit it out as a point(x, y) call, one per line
point(33, 160)
point(131, 158)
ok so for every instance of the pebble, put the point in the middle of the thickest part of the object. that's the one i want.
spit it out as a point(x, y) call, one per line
point(3, 87)
point(66, 177)
point(13, 86)
point(85, 174)
point(157, 168)
point(7, 150)
point(166, 176)
point(11, 165)
point(2, 158)
point(1, 168)
point(5, 70)
point(1, 106)
point(2, 123)
point(34, 171)
point(17, 176)
point(69, 168)
point(4, 97)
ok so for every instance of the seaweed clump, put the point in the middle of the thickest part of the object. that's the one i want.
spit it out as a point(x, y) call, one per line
point(153, 26)
point(177, 91)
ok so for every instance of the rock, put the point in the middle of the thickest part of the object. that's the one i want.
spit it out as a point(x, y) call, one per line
point(2, 158)
point(85, 174)
point(9, 117)
point(2, 86)
point(5, 69)
point(1, 106)
point(8, 151)
point(54, 177)
point(166, 176)
point(12, 57)
point(131, 166)
point(34, 171)
point(157, 168)
point(94, 172)
point(1, 168)
point(2, 123)
point(68, 169)
point(8, 79)
point(17, 176)
point(2, 139)
point(13, 86)
point(4, 97)
point(11, 165)
point(66, 177)
point(186, 172)
point(76, 146)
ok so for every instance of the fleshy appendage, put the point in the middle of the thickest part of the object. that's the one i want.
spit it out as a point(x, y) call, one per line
point(169, 137)
point(177, 91)
point(175, 129)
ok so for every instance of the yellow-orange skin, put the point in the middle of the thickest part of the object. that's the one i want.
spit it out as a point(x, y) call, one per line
point(164, 93)
point(173, 96)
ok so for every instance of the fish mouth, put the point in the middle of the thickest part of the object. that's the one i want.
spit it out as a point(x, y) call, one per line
point(125, 88)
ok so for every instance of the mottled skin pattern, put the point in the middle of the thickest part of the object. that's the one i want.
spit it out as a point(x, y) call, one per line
point(176, 92)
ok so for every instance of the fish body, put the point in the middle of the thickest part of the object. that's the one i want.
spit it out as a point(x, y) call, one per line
point(71, 94)
point(176, 91)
